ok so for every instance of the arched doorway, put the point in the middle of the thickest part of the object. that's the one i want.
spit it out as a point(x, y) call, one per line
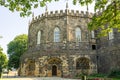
point(54, 70)
point(82, 63)
point(55, 63)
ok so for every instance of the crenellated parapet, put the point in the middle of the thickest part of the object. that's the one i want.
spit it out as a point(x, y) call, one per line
point(74, 13)
point(98, 13)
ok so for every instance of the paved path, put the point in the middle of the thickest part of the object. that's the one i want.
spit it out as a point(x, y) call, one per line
point(38, 78)
point(15, 77)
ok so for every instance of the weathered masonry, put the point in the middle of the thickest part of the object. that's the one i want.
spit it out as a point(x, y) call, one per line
point(60, 45)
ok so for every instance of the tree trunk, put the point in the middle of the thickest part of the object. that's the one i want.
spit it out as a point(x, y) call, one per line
point(0, 74)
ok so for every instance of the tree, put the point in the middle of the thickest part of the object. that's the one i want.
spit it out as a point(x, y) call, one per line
point(25, 6)
point(0, 36)
point(109, 16)
point(15, 49)
point(3, 61)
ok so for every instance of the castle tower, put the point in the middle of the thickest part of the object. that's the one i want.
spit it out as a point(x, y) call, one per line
point(59, 46)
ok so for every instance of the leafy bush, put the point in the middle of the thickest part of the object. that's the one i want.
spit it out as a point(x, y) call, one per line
point(98, 75)
point(79, 75)
point(115, 73)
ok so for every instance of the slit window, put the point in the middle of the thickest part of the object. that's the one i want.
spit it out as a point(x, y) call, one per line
point(38, 37)
point(56, 34)
point(93, 47)
point(78, 34)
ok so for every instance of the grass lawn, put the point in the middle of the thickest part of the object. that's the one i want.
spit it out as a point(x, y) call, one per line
point(102, 76)
point(115, 79)
point(105, 79)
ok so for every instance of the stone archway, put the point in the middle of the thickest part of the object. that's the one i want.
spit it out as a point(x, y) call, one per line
point(54, 66)
point(83, 65)
point(54, 60)
point(54, 70)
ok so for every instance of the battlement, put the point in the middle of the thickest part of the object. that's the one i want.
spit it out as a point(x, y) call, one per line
point(62, 13)
point(98, 13)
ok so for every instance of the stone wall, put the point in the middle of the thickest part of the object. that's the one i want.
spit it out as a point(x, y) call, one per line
point(42, 59)
point(108, 53)
point(65, 67)
point(104, 58)
point(67, 22)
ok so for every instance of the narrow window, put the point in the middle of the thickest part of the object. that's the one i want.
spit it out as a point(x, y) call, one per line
point(78, 34)
point(38, 37)
point(92, 34)
point(93, 47)
point(56, 35)
point(111, 35)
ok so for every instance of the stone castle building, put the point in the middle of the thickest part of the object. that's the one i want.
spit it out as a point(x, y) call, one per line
point(59, 44)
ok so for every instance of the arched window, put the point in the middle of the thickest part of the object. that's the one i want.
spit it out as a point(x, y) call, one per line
point(78, 34)
point(38, 37)
point(82, 63)
point(56, 34)
point(92, 34)
point(110, 34)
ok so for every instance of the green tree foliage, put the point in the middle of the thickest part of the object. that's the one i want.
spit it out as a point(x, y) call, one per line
point(25, 6)
point(15, 49)
point(3, 60)
point(109, 16)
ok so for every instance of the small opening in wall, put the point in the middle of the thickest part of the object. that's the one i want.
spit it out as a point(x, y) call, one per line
point(93, 47)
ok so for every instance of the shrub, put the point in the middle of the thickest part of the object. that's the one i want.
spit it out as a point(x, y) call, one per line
point(98, 75)
point(115, 73)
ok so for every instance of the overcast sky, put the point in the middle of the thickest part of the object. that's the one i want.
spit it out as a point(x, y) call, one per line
point(11, 24)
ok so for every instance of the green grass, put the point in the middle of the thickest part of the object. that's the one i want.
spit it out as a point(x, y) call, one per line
point(115, 79)
point(93, 76)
